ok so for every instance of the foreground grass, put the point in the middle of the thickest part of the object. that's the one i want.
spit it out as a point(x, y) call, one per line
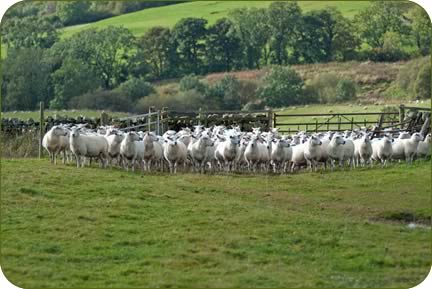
point(139, 22)
point(63, 226)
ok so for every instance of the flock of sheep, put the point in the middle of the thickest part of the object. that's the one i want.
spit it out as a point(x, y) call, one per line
point(222, 149)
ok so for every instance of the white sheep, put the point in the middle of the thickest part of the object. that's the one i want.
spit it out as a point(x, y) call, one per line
point(56, 141)
point(424, 147)
point(411, 145)
point(363, 150)
point(175, 152)
point(92, 146)
point(128, 150)
point(312, 152)
point(227, 151)
point(278, 154)
point(153, 151)
point(198, 151)
point(114, 139)
point(382, 149)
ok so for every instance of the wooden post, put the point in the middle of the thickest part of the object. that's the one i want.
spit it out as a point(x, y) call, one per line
point(270, 118)
point(365, 124)
point(328, 125)
point(339, 123)
point(199, 116)
point(103, 118)
point(41, 127)
point(352, 123)
point(316, 125)
point(149, 119)
point(401, 115)
point(158, 122)
point(307, 127)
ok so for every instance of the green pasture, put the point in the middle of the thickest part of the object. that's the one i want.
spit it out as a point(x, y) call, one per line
point(24, 115)
point(68, 227)
point(336, 108)
point(139, 22)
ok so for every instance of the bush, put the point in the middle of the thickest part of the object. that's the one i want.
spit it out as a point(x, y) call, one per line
point(323, 87)
point(102, 99)
point(422, 87)
point(345, 90)
point(282, 86)
point(413, 78)
point(136, 88)
point(190, 82)
point(187, 100)
point(229, 87)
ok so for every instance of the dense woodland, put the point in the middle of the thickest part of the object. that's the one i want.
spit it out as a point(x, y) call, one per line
point(111, 68)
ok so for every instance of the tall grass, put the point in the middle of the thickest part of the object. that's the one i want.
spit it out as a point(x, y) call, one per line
point(19, 145)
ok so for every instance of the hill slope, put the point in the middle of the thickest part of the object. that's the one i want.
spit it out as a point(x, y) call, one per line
point(140, 21)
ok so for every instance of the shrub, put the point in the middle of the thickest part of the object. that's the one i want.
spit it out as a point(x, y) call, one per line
point(102, 99)
point(229, 87)
point(422, 86)
point(282, 86)
point(345, 90)
point(190, 82)
point(135, 88)
point(413, 78)
point(323, 87)
point(187, 100)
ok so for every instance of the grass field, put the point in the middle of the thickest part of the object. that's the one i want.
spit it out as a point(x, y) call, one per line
point(68, 227)
point(336, 108)
point(70, 113)
point(140, 21)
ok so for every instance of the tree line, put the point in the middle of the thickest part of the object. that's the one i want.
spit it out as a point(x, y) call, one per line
point(41, 66)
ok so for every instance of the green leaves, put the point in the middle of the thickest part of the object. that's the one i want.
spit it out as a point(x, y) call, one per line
point(282, 86)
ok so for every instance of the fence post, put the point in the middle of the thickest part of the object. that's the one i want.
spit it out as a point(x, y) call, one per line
point(316, 125)
point(149, 119)
point(352, 123)
point(270, 118)
point(41, 127)
point(401, 115)
point(339, 123)
point(199, 116)
point(307, 127)
point(158, 123)
point(103, 118)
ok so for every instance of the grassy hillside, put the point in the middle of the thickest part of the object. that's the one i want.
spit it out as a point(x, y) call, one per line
point(63, 226)
point(141, 21)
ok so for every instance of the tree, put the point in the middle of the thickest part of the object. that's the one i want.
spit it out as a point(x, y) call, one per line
point(254, 31)
point(189, 33)
point(284, 20)
point(379, 18)
point(73, 78)
point(421, 28)
point(282, 86)
point(230, 87)
point(326, 36)
point(136, 88)
point(223, 45)
point(73, 12)
point(157, 45)
point(111, 52)
point(25, 79)
point(29, 32)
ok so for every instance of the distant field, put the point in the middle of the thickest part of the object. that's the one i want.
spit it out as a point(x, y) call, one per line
point(68, 227)
point(70, 113)
point(338, 108)
point(140, 21)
